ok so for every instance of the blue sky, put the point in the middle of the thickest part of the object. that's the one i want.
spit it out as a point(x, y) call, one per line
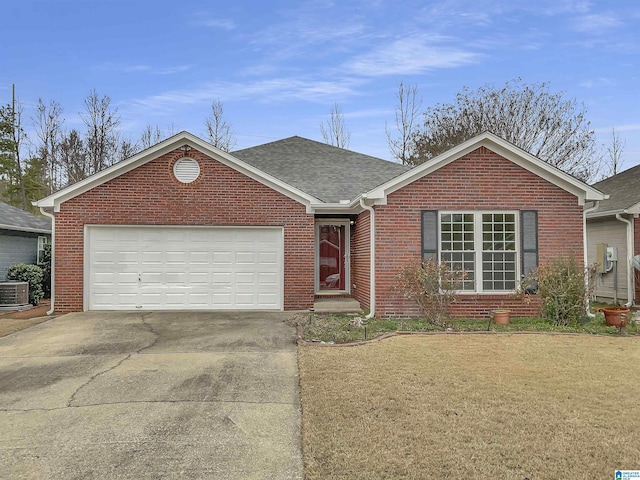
point(279, 66)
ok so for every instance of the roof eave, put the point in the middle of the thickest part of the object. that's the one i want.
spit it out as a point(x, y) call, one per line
point(16, 228)
point(633, 210)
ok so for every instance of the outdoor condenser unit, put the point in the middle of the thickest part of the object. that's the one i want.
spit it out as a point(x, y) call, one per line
point(14, 294)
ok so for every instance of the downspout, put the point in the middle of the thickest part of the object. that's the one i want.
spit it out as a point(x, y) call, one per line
point(53, 263)
point(630, 277)
point(372, 257)
point(586, 258)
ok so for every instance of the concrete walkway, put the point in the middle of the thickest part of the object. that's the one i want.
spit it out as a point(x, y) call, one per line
point(151, 396)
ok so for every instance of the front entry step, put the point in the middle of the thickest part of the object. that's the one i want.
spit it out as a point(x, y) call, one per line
point(337, 305)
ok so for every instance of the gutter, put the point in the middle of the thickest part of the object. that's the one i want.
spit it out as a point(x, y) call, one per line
point(53, 263)
point(372, 256)
point(586, 259)
point(630, 276)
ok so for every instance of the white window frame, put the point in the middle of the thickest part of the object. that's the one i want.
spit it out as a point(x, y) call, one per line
point(478, 250)
point(42, 241)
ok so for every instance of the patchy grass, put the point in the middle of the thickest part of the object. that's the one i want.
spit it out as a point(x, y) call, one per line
point(337, 328)
point(472, 406)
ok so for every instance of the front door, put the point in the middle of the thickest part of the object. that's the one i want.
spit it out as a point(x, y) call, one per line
point(332, 256)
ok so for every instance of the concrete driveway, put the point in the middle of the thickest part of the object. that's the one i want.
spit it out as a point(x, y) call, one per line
point(151, 396)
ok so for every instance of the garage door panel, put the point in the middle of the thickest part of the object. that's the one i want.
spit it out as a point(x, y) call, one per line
point(246, 258)
point(268, 278)
point(223, 257)
point(184, 268)
point(199, 258)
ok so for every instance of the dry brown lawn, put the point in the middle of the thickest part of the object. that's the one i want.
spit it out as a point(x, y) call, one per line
point(472, 406)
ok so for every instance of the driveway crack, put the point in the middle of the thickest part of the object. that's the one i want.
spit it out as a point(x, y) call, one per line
point(151, 330)
point(96, 375)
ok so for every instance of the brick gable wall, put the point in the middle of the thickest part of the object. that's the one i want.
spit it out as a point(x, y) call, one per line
point(150, 195)
point(481, 180)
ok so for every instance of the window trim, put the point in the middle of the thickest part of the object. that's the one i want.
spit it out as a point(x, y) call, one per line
point(42, 241)
point(478, 247)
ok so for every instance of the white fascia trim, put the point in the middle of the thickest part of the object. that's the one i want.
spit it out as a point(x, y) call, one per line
point(503, 148)
point(610, 213)
point(167, 146)
point(632, 210)
point(24, 229)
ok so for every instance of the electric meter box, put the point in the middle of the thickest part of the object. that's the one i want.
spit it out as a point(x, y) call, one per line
point(612, 254)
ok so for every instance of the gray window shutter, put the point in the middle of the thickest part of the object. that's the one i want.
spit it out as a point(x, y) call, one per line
point(430, 234)
point(529, 228)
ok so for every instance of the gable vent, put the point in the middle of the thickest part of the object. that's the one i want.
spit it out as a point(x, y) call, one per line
point(186, 170)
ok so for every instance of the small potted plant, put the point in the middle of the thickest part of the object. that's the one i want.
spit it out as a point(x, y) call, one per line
point(615, 316)
point(501, 316)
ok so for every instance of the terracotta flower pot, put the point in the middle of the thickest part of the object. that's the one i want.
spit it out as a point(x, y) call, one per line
point(615, 316)
point(501, 316)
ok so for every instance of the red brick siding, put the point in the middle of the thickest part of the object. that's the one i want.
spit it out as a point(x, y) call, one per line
point(150, 195)
point(360, 260)
point(481, 180)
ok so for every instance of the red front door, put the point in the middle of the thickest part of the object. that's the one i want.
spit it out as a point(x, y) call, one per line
point(332, 254)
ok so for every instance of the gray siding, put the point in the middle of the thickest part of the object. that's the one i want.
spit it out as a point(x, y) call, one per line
point(16, 249)
point(613, 233)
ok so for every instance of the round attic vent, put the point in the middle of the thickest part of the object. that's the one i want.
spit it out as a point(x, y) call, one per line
point(186, 170)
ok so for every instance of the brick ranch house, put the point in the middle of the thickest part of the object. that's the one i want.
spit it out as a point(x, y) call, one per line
point(185, 226)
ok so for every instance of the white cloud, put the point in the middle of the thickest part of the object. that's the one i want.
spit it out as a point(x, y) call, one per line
point(263, 91)
point(172, 70)
point(223, 23)
point(141, 68)
point(596, 82)
point(412, 55)
point(632, 127)
point(596, 23)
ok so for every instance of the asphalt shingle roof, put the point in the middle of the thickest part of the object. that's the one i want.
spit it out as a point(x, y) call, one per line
point(623, 190)
point(13, 218)
point(326, 172)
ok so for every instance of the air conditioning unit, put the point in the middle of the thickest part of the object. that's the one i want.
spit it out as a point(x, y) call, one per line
point(14, 294)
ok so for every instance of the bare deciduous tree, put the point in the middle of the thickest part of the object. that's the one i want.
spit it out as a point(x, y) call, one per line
point(151, 135)
point(218, 130)
point(335, 132)
point(101, 141)
point(615, 151)
point(407, 110)
point(531, 117)
point(125, 148)
point(48, 127)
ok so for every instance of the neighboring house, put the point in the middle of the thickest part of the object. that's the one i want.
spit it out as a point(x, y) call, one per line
point(183, 225)
point(22, 237)
point(615, 222)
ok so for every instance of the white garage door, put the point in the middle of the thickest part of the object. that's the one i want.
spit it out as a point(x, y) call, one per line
point(184, 268)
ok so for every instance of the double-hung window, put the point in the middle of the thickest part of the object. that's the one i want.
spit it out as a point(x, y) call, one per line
point(493, 248)
point(42, 241)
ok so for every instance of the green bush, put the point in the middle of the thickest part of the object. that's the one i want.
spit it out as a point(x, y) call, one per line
point(32, 274)
point(562, 291)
